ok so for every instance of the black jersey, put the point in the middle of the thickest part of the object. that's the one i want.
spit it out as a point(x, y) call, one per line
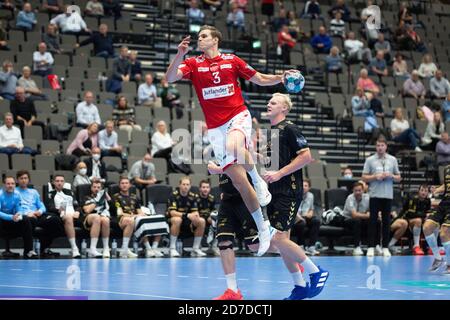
point(183, 204)
point(415, 208)
point(229, 192)
point(290, 143)
point(447, 182)
point(206, 205)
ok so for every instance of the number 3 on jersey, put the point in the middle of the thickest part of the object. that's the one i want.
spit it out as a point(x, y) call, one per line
point(216, 77)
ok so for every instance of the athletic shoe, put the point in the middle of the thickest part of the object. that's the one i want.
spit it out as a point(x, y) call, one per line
point(441, 252)
point(317, 283)
point(216, 251)
point(48, 254)
point(417, 251)
point(358, 252)
point(127, 253)
point(299, 293)
point(197, 253)
point(386, 253)
point(378, 250)
point(76, 253)
point(264, 237)
point(94, 254)
point(158, 254)
point(312, 251)
point(174, 253)
point(149, 253)
point(437, 264)
point(262, 193)
point(106, 254)
point(30, 255)
point(230, 295)
point(395, 250)
point(370, 252)
point(10, 254)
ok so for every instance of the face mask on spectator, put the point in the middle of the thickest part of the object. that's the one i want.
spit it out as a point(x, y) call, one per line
point(83, 171)
point(96, 156)
point(348, 176)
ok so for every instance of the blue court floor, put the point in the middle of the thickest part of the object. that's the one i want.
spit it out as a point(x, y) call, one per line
point(351, 278)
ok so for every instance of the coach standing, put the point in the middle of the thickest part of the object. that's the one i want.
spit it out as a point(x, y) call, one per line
point(380, 171)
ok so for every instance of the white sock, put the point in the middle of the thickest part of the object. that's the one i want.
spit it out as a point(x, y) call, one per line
point(197, 242)
point(155, 245)
point(231, 281)
point(73, 243)
point(309, 266)
point(392, 242)
point(259, 219)
point(173, 241)
point(94, 244)
point(297, 277)
point(432, 242)
point(105, 243)
point(447, 251)
point(125, 242)
point(436, 232)
point(147, 245)
point(416, 235)
point(254, 175)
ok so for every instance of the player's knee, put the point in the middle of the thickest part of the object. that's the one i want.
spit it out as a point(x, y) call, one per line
point(96, 219)
point(445, 234)
point(428, 228)
point(105, 221)
point(201, 222)
point(175, 220)
point(403, 224)
point(416, 222)
point(225, 245)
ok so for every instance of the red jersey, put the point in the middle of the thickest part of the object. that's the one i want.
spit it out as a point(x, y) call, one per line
point(217, 87)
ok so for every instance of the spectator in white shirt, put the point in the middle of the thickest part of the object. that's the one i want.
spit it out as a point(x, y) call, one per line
point(433, 132)
point(70, 23)
point(439, 86)
point(147, 94)
point(427, 68)
point(81, 177)
point(355, 49)
point(11, 139)
point(42, 61)
point(161, 141)
point(401, 132)
point(87, 111)
point(107, 139)
point(400, 67)
point(337, 25)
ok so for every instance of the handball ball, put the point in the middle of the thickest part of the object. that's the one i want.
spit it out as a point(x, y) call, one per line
point(294, 82)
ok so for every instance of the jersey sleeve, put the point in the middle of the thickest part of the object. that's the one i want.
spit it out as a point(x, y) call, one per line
point(193, 206)
point(172, 203)
point(296, 139)
point(186, 68)
point(244, 70)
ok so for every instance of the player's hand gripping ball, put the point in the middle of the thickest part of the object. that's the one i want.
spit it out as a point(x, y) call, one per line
point(294, 81)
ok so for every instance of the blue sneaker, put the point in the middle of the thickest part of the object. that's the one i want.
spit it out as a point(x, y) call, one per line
point(299, 293)
point(318, 280)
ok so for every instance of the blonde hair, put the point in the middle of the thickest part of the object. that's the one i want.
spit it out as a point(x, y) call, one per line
point(286, 99)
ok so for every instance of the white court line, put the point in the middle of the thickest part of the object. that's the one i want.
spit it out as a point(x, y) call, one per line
point(264, 281)
point(162, 275)
point(121, 273)
point(95, 291)
point(283, 281)
point(183, 276)
point(203, 277)
point(243, 279)
point(342, 285)
point(403, 291)
point(141, 274)
point(57, 270)
point(361, 287)
point(37, 270)
point(16, 269)
point(418, 292)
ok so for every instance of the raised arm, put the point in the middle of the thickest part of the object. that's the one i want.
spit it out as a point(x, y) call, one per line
point(172, 73)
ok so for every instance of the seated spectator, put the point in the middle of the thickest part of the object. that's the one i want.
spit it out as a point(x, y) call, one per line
point(42, 61)
point(147, 94)
point(347, 173)
point(94, 8)
point(128, 206)
point(124, 117)
point(400, 67)
point(53, 6)
point(341, 7)
point(383, 45)
point(84, 141)
point(236, 18)
point(439, 86)
point(51, 39)
point(402, 38)
point(121, 71)
point(96, 168)
point(10, 138)
point(3, 37)
point(112, 8)
point(433, 132)
point(307, 218)
point(107, 139)
point(280, 21)
point(312, 10)
point(62, 203)
point(96, 219)
point(378, 65)
point(367, 84)
point(8, 81)
point(81, 177)
point(401, 132)
point(161, 141)
point(26, 19)
point(361, 108)
point(413, 87)
point(170, 97)
point(87, 112)
point(355, 49)
point(404, 14)
point(446, 108)
point(194, 14)
point(24, 111)
point(70, 23)
point(286, 43)
point(294, 26)
point(32, 91)
point(32, 206)
point(337, 25)
point(443, 150)
point(182, 211)
point(136, 66)
point(427, 68)
point(13, 221)
point(356, 213)
point(102, 41)
point(334, 61)
point(321, 42)
point(142, 172)
point(414, 40)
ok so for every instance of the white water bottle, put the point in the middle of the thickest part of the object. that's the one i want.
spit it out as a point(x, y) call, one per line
point(83, 247)
point(135, 247)
point(37, 247)
point(180, 246)
point(114, 248)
